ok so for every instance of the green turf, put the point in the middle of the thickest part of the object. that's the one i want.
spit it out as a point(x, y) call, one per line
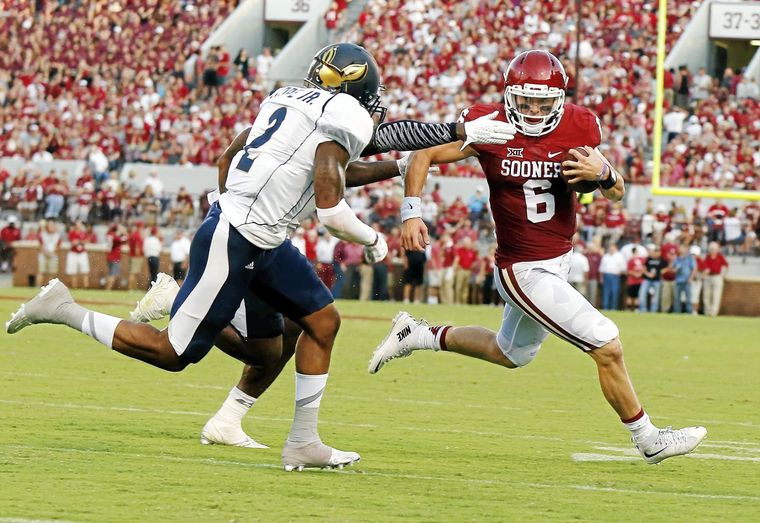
point(89, 435)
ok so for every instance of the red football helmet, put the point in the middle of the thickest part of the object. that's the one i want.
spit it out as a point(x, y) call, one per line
point(535, 92)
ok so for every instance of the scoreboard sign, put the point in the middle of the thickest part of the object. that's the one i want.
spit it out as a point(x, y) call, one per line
point(294, 10)
point(736, 21)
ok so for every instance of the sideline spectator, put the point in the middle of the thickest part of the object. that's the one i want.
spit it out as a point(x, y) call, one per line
point(116, 237)
point(685, 268)
point(715, 269)
point(325, 253)
point(434, 271)
point(179, 250)
point(696, 284)
point(579, 269)
point(465, 257)
point(611, 267)
point(477, 204)
point(9, 234)
point(136, 254)
point(152, 250)
point(651, 285)
point(348, 259)
point(414, 275)
point(447, 284)
point(635, 276)
point(47, 259)
point(77, 259)
point(594, 257)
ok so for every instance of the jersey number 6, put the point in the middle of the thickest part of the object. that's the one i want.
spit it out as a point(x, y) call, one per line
point(539, 203)
point(275, 121)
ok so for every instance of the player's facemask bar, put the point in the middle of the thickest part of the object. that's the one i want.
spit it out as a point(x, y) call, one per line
point(326, 76)
point(520, 101)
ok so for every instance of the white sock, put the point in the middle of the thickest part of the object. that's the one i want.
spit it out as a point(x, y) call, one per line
point(100, 326)
point(432, 337)
point(642, 429)
point(309, 392)
point(235, 407)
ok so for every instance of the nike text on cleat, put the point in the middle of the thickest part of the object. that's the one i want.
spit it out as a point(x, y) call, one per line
point(671, 443)
point(216, 432)
point(157, 302)
point(400, 342)
point(49, 306)
point(315, 455)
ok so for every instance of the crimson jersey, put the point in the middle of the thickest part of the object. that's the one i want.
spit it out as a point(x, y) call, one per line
point(532, 205)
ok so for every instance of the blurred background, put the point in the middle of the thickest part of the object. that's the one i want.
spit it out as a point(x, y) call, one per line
point(113, 113)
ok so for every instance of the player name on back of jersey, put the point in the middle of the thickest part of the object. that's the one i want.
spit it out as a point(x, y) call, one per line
point(304, 94)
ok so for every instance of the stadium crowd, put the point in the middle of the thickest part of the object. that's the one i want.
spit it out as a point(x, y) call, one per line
point(438, 57)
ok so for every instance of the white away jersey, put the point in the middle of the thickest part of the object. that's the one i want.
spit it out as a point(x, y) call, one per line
point(270, 185)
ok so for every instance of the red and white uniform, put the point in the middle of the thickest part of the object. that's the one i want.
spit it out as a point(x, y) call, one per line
point(534, 212)
point(77, 260)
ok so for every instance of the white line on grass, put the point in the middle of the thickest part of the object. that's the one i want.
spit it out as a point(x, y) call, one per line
point(414, 477)
point(25, 520)
point(629, 454)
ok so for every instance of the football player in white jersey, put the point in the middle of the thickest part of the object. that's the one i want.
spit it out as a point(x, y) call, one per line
point(293, 161)
point(260, 336)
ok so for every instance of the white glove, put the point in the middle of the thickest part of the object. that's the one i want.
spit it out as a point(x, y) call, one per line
point(486, 130)
point(403, 165)
point(377, 251)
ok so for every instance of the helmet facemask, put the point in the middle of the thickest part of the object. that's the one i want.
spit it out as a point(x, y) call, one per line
point(534, 109)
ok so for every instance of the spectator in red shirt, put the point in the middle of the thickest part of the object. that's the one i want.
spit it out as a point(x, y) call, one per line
point(136, 254)
point(77, 259)
point(115, 239)
point(614, 223)
point(716, 213)
point(457, 211)
point(715, 267)
point(449, 255)
point(9, 234)
point(465, 257)
point(182, 210)
point(696, 283)
point(635, 276)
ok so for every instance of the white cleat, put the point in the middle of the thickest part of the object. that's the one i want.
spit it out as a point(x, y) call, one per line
point(315, 455)
point(49, 306)
point(216, 432)
point(671, 443)
point(400, 342)
point(157, 302)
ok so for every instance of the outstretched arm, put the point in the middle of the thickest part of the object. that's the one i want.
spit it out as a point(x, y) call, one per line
point(363, 173)
point(333, 211)
point(411, 135)
point(414, 235)
point(225, 160)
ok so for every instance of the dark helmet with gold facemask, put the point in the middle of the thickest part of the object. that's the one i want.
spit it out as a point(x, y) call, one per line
point(351, 69)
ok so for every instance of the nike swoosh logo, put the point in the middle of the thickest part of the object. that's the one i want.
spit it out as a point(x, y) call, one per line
point(646, 455)
point(552, 155)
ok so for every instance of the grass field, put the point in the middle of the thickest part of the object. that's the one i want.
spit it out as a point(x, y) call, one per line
point(89, 435)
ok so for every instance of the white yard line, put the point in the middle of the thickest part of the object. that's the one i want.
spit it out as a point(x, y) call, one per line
point(26, 520)
point(370, 474)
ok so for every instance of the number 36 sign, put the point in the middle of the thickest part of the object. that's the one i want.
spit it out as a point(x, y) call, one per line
point(294, 10)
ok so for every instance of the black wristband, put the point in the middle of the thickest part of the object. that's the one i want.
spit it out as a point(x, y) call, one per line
point(453, 131)
point(610, 181)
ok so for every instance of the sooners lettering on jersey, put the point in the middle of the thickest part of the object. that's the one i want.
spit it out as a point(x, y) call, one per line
point(533, 207)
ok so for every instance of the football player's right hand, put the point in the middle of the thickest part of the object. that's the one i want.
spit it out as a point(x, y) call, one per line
point(414, 235)
point(377, 251)
point(486, 130)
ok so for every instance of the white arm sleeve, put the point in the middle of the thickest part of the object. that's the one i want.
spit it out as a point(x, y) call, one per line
point(342, 223)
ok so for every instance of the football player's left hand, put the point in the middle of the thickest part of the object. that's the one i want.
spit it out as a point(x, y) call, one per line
point(377, 251)
point(486, 130)
point(584, 167)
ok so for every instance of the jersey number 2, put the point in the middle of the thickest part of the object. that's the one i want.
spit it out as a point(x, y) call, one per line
point(275, 121)
point(539, 203)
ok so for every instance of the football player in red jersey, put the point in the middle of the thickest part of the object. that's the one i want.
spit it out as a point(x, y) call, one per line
point(533, 205)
